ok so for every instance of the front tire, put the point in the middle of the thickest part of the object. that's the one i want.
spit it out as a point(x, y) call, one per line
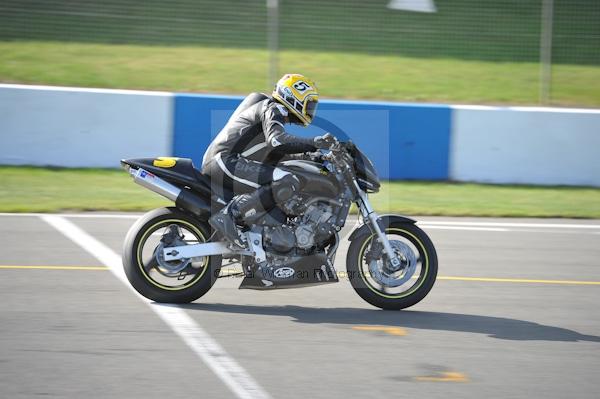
point(153, 279)
point(411, 292)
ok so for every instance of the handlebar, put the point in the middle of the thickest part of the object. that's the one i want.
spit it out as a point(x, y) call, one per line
point(337, 149)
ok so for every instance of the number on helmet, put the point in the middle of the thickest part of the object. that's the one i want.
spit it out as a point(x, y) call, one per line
point(301, 86)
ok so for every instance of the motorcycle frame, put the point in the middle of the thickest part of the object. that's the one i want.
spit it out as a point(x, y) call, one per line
point(255, 241)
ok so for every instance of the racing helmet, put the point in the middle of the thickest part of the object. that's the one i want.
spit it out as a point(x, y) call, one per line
point(299, 95)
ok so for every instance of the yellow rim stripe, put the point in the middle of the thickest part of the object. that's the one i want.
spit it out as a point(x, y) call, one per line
point(142, 242)
point(421, 274)
point(55, 267)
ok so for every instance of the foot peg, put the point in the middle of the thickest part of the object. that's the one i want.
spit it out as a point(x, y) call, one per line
point(224, 223)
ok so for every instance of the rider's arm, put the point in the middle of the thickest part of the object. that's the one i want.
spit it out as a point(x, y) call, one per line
point(276, 137)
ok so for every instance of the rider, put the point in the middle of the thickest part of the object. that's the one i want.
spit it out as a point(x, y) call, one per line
point(241, 158)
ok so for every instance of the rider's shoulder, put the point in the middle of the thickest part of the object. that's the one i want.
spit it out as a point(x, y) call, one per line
point(275, 108)
point(252, 99)
point(256, 97)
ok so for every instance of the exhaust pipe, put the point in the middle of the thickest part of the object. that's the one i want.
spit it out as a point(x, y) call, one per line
point(183, 198)
point(154, 183)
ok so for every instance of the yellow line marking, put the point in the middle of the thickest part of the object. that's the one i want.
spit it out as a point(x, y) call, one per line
point(398, 331)
point(55, 267)
point(502, 280)
point(446, 376)
point(518, 280)
point(452, 278)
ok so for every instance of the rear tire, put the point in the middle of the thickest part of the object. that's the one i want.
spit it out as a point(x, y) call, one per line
point(136, 271)
point(422, 284)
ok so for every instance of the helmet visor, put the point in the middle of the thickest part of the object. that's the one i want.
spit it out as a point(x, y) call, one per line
point(311, 108)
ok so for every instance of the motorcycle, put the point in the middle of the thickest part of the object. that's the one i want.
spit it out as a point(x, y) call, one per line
point(172, 255)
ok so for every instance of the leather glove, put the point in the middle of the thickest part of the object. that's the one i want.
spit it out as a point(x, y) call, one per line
point(325, 141)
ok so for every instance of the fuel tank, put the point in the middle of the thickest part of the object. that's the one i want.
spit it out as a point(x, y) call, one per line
point(315, 179)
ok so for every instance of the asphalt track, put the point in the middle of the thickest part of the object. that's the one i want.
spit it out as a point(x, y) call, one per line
point(514, 314)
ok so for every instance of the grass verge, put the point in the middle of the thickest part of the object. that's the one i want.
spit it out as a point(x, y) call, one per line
point(29, 189)
point(240, 71)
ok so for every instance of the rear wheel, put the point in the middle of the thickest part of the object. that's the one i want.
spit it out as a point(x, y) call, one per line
point(179, 281)
point(382, 285)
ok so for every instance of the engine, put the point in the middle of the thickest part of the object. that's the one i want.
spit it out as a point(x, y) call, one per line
point(315, 226)
point(312, 228)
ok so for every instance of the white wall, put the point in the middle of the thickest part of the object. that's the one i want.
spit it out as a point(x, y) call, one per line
point(76, 127)
point(549, 146)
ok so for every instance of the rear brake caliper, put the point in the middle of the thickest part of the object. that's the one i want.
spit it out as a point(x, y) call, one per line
point(173, 237)
point(173, 233)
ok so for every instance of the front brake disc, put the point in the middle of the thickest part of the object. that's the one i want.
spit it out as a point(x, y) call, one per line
point(390, 277)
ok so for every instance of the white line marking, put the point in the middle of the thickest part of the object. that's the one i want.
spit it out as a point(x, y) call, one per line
point(86, 90)
point(558, 231)
point(526, 109)
point(431, 224)
point(80, 215)
point(132, 215)
point(429, 227)
point(213, 355)
point(510, 224)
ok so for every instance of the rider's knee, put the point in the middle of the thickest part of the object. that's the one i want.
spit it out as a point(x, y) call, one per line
point(284, 185)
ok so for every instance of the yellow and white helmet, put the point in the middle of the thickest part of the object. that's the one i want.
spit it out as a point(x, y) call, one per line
point(299, 94)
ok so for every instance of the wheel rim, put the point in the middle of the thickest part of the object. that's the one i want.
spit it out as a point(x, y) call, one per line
point(410, 278)
point(172, 276)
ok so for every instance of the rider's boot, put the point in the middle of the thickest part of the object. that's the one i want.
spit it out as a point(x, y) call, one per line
point(243, 210)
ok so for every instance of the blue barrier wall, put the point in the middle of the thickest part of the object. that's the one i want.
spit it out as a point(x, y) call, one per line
point(83, 127)
point(192, 127)
point(404, 141)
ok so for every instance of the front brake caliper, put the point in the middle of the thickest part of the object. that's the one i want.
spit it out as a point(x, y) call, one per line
point(375, 252)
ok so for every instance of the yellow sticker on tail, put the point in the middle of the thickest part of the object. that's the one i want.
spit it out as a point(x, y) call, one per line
point(165, 162)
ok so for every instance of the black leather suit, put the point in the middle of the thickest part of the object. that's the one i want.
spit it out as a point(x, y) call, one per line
point(242, 157)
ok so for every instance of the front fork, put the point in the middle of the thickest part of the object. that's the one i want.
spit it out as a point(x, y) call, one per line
point(368, 213)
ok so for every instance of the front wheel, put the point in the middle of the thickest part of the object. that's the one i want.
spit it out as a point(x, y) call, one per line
point(382, 285)
point(179, 281)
